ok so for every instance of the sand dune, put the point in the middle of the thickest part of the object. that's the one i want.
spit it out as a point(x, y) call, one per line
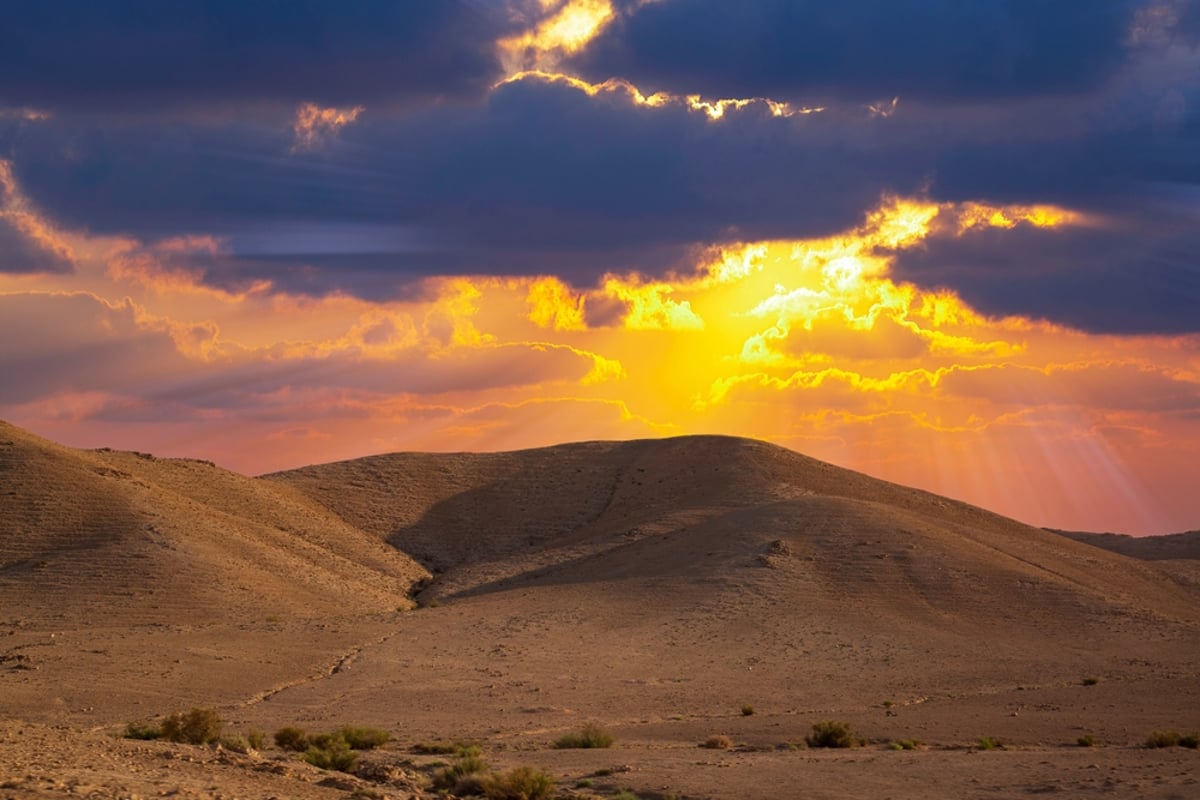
point(655, 586)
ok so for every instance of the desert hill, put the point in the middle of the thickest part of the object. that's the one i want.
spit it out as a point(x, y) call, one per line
point(708, 508)
point(188, 541)
point(655, 586)
point(1147, 548)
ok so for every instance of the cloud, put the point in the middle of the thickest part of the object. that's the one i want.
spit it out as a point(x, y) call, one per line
point(133, 56)
point(864, 51)
point(1133, 275)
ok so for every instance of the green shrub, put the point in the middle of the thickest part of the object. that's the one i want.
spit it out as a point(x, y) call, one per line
point(747, 710)
point(364, 738)
point(592, 735)
point(718, 741)
point(335, 754)
point(444, 748)
point(256, 739)
point(1190, 741)
point(146, 732)
point(198, 726)
point(290, 738)
point(235, 743)
point(461, 776)
point(1087, 740)
point(990, 743)
point(1163, 739)
point(625, 794)
point(1090, 680)
point(830, 733)
point(519, 783)
point(903, 744)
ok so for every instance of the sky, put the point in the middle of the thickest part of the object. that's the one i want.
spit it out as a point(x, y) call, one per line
point(952, 245)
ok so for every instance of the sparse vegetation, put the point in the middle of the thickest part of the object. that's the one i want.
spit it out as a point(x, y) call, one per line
point(364, 738)
point(444, 748)
point(829, 733)
point(1173, 739)
point(747, 710)
point(887, 703)
point(718, 741)
point(989, 743)
point(330, 752)
point(256, 739)
point(464, 776)
point(236, 743)
point(1087, 740)
point(198, 726)
point(592, 735)
point(1090, 680)
point(903, 744)
point(519, 783)
point(625, 794)
point(291, 738)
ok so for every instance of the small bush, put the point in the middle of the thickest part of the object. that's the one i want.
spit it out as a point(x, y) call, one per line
point(747, 710)
point(519, 783)
point(903, 744)
point(334, 754)
point(461, 776)
point(989, 743)
point(1163, 739)
point(256, 739)
point(591, 736)
point(718, 741)
point(625, 794)
point(146, 732)
point(294, 739)
point(364, 738)
point(1087, 740)
point(198, 726)
point(1190, 741)
point(829, 733)
point(887, 703)
point(444, 748)
point(1090, 680)
point(236, 743)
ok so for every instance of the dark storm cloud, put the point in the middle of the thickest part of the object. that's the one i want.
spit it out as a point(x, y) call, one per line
point(1134, 275)
point(542, 178)
point(150, 54)
point(864, 50)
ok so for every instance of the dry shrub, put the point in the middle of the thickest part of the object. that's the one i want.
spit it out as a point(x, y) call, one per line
point(519, 783)
point(829, 733)
point(718, 741)
point(198, 726)
point(592, 735)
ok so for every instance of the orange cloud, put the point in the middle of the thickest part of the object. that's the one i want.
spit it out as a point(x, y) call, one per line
point(315, 126)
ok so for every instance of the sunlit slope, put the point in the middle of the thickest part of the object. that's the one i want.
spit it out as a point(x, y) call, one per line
point(120, 538)
point(725, 511)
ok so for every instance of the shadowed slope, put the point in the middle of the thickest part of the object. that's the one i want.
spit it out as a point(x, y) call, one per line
point(121, 538)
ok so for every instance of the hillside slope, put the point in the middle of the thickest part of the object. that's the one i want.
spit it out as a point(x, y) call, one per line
point(127, 538)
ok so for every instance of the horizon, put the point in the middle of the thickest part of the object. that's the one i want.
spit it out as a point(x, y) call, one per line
point(952, 250)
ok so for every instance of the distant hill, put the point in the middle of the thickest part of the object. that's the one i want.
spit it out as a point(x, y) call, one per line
point(1147, 548)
